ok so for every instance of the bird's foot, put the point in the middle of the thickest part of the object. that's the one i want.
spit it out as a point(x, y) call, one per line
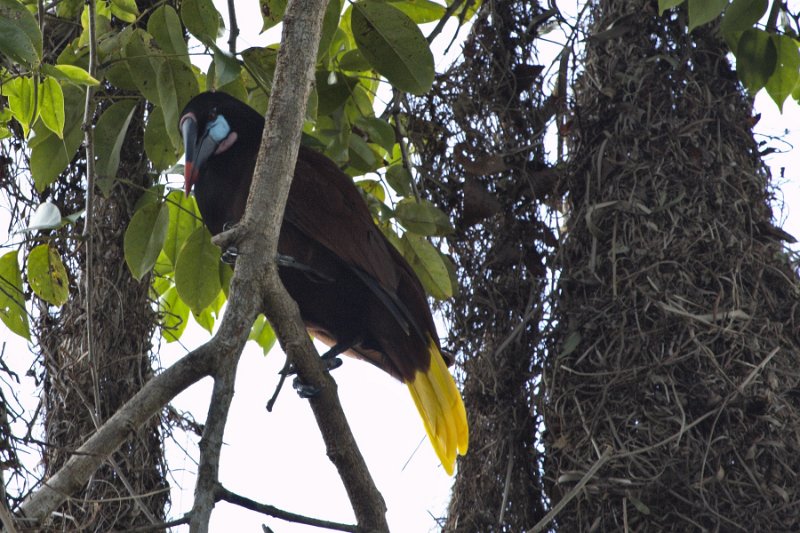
point(229, 255)
point(304, 390)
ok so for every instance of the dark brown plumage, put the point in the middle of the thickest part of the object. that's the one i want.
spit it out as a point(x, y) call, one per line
point(352, 286)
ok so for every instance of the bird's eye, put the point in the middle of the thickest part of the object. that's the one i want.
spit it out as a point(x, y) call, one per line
point(212, 114)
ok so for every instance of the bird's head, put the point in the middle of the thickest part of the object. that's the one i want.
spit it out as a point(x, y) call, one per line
point(207, 129)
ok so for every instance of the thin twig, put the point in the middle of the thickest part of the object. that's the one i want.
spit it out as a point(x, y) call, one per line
point(234, 31)
point(225, 495)
point(88, 119)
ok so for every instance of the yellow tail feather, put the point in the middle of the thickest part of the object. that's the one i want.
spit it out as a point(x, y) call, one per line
point(442, 410)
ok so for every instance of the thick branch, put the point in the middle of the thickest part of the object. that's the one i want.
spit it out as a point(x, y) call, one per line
point(147, 402)
point(258, 235)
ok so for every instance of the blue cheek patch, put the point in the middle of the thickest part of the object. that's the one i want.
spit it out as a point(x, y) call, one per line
point(218, 129)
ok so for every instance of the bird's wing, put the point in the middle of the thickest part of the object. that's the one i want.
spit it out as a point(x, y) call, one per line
point(324, 204)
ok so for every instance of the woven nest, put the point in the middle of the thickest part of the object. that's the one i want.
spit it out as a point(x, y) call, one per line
point(478, 140)
point(679, 309)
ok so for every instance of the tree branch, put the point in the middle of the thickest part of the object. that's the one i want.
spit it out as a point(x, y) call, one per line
point(225, 495)
point(257, 236)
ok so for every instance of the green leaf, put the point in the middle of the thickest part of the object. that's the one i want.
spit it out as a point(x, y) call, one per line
point(330, 23)
point(150, 196)
point(361, 155)
point(144, 238)
point(333, 90)
point(420, 11)
point(756, 58)
point(177, 85)
point(20, 38)
point(394, 45)
point(143, 61)
point(399, 179)
point(69, 73)
point(202, 19)
point(47, 275)
point(226, 68)
point(787, 72)
point(21, 101)
point(663, 5)
point(272, 12)
point(184, 219)
point(208, 316)
point(165, 26)
point(125, 10)
point(423, 218)
point(380, 132)
point(260, 63)
point(428, 264)
point(51, 105)
point(742, 15)
point(109, 136)
point(354, 61)
point(703, 11)
point(197, 271)
point(262, 334)
point(373, 188)
point(69, 9)
point(158, 143)
point(51, 155)
point(12, 299)
point(174, 315)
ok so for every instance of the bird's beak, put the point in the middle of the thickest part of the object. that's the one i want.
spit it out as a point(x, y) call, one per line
point(191, 166)
point(217, 138)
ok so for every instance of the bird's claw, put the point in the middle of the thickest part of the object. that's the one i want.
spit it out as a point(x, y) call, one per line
point(229, 255)
point(304, 390)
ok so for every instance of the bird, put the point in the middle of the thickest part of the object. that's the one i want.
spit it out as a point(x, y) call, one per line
point(355, 291)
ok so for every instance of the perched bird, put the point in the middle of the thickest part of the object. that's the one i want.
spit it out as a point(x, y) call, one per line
point(355, 291)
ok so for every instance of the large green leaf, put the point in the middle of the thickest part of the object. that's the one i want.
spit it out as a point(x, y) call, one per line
point(158, 143)
point(12, 299)
point(703, 11)
point(399, 179)
point(143, 61)
point(197, 271)
point(380, 132)
point(20, 38)
point(51, 105)
point(420, 11)
point(260, 63)
point(109, 136)
point(184, 219)
point(177, 85)
point(756, 58)
point(393, 44)
point(70, 73)
point(742, 15)
point(174, 315)
point(21, 101)
point(272, 12)
point(145, 237)
point(333, 90)
point(202, 19)
point(787, 69)
point(226, 68)
point(262, 334)
point(428, 264)
point(125, 10)
point(165, 26)
point(330, 23)
point(423, 218)
point(47, 275)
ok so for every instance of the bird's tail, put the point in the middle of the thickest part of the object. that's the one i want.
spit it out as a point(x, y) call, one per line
point(441, 408)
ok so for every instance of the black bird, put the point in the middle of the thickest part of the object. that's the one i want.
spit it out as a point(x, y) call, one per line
point(355, 291)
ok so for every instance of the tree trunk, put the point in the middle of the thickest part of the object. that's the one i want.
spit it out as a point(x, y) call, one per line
point(677, 314)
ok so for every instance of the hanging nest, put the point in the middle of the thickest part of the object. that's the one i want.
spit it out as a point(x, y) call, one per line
point(678, 310)
point(478, 138)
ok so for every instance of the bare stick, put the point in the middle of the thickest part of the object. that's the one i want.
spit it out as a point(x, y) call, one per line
point(228, 496)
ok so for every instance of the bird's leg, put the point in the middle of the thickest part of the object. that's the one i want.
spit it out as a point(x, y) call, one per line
point(230, 253)
point(313, 274)
point(331, 360)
